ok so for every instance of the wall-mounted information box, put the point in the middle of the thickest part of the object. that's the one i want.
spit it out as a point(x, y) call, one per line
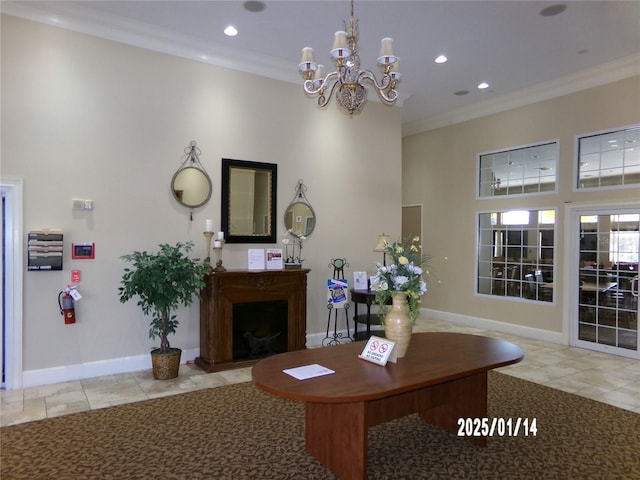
point(44, 250)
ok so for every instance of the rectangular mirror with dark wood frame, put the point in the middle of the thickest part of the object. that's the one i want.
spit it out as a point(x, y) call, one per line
point(248, 201)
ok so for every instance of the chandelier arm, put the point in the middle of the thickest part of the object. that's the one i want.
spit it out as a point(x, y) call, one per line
point(385, 89)
point(309, 84)
point(368, 75)
point(324, 100)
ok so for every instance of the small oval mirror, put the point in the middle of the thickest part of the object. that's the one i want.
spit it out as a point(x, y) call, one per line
point(191, 187)
point(300, 218)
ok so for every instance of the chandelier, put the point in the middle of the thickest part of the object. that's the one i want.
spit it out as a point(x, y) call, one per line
point(348, 81)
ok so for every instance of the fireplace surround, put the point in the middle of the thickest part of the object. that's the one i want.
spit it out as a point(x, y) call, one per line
point(276, 293)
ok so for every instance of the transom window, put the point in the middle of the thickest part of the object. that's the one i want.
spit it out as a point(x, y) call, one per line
point(609, 159)
point(516, 254)
point(519, 171)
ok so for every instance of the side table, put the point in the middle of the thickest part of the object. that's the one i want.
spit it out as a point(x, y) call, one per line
point(366, 297)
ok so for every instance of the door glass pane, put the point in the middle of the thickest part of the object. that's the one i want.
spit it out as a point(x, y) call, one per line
point(608, 286)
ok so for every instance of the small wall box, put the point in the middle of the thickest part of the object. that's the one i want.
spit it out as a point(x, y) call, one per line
point(83, 251)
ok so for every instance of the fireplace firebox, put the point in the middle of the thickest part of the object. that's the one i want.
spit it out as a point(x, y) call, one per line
point(259, 329)
point(246, 315)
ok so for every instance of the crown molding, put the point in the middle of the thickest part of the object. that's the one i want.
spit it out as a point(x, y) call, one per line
point(72, 16)
point(606, 73)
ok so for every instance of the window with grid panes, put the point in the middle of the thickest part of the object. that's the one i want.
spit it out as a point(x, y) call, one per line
point(609, 160)
point(516, 254)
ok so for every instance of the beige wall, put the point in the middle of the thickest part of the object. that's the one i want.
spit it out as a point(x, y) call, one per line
point(439, 172)
point(88, 118)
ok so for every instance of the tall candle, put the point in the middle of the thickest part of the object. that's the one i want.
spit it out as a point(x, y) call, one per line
point(220, 235)
point(208, 226)
point(217, 244)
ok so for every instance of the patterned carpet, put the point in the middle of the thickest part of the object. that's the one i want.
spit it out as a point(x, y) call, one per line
point(238, 432)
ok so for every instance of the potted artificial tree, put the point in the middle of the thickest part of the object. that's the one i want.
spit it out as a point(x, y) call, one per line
point(163, 281)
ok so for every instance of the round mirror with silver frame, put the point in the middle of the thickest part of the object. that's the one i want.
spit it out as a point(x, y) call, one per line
point(190, 185)
point(299, 217)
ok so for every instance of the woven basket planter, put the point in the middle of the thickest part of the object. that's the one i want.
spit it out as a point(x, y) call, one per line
point(165, 365)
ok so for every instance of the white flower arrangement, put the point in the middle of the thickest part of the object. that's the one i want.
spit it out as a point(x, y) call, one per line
point(404, 274)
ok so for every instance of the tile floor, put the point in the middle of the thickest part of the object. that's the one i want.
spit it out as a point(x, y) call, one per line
point(606, 378)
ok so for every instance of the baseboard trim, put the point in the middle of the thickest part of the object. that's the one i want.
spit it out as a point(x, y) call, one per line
point(561, 338)
point(101, 368)
point(136, 363)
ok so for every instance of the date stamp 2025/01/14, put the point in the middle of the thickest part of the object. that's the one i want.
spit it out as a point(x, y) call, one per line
point(497, 427)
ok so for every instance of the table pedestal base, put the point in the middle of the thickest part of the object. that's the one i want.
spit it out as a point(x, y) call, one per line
point(336, 433)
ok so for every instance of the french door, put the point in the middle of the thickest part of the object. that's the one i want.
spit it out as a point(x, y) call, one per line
point(605, 286)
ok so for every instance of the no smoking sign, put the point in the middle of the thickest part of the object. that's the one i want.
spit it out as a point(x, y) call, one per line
point(379, 350)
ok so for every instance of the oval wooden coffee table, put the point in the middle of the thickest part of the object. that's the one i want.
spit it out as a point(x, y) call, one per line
point(443, 377)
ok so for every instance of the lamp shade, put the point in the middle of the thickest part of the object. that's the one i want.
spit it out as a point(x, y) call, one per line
point(386, 52)
point(318, 76)
point(381, 243)
point(340, 46)
point(307, 55)
point(308, 61)
point(395, 71)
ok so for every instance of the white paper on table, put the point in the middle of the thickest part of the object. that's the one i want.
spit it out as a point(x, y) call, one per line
point(308, 371)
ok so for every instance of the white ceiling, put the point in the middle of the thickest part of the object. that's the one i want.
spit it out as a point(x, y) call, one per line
point(523, 55)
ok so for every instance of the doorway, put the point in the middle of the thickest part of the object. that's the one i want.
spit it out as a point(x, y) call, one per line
point(412, 221)
point(605, 280)
point(11, 283)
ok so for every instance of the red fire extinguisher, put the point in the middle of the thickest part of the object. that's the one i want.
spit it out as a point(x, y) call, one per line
point(67, 308)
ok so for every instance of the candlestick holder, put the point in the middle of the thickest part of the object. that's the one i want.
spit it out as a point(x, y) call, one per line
point(217, 248)
point(208, 237)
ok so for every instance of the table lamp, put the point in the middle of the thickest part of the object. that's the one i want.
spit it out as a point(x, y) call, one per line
point(381, 244)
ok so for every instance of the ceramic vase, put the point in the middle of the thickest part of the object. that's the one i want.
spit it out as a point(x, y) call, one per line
point(397, 324)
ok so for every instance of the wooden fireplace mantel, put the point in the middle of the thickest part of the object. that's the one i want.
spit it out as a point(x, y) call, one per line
point(224, 289)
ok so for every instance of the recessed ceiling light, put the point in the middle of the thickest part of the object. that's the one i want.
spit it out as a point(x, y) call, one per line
point(552, 10)
point(254, 6)
point(441, 59)
point(231, 31)
point(483, 85)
